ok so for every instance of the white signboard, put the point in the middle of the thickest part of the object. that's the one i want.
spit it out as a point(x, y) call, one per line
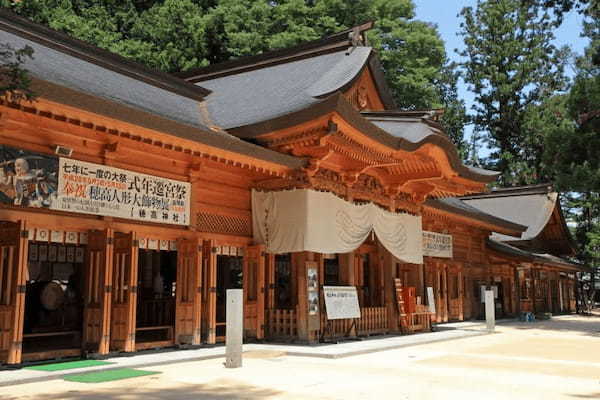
point(430, 299)
point(102, 190)
point(341, 302)
point(437, 244)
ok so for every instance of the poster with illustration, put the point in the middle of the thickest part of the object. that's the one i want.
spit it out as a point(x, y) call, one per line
point(37, 180)
point(27, 179)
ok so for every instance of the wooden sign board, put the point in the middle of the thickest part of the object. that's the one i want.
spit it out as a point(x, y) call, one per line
point(341, 302)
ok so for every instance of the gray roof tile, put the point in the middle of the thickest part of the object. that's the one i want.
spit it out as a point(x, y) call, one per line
point(273, 91)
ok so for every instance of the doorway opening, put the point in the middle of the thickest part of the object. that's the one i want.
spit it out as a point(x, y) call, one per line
point(155, 312)
point(55, 281)
point(229, 276)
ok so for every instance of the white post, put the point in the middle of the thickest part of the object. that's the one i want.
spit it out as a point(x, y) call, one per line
point(234, 328)
point(490, 310)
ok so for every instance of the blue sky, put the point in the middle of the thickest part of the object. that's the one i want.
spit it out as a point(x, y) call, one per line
point(444, 13)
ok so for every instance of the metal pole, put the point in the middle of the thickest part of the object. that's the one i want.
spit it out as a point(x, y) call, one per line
point(234, 328)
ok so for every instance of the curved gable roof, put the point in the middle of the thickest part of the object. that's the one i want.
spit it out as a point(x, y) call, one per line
point(262, 94)
point(533, 210)
point(532, 206)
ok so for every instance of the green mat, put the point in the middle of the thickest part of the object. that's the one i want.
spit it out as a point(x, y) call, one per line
point(106, 376)
point(68, 365)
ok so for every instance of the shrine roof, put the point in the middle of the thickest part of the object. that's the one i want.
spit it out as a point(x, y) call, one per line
point(542, 258)
point(417, 128)
point(262, 94)
point(456, 206)
point(532, 206)
point(75, 73)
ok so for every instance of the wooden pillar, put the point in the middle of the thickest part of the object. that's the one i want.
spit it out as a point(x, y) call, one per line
point(548, 292)
point(533, 294)
point(445, 292)
point(299, 261)
point(307, 326)
point(13, 264)
point(460, 289)
point(270, 281)
point(386, 260)
point(210, 271)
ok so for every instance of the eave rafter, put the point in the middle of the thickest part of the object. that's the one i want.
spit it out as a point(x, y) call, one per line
point(332, 145)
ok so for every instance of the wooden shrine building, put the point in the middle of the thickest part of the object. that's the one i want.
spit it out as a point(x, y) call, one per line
point(130, 200)
point(544, 280)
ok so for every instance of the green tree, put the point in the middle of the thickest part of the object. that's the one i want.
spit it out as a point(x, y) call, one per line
point(14, 79)
point(565, 130)
point(510, 65)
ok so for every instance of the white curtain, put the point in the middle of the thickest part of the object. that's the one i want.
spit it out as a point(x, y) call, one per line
point(307, 220)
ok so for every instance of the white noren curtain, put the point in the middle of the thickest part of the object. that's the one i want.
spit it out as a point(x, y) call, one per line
point(308, 220)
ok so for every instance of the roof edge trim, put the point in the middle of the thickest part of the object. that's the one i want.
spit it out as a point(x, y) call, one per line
point(324, 45)
point(505, 226)
point(142, 118)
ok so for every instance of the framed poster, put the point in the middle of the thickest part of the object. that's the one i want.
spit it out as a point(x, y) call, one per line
point(313, 302)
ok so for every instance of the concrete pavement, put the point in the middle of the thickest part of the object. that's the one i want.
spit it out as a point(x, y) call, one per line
point(340, 350)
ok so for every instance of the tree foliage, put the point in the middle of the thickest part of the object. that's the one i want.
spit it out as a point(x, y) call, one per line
point(510, 65)
point(14, 79)
point(178, 35)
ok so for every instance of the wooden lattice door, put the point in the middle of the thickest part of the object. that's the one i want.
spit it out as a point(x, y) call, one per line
point(254, 291)
point(13, 264)
point(188, 309)
point(124, 292)
point(97, 296)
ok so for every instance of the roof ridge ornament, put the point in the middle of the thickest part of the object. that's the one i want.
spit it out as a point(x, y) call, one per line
point(356, 39)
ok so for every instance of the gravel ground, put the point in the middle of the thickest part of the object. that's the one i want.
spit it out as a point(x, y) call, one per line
point(556, 359)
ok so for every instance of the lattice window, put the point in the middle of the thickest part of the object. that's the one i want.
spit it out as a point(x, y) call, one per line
point(240, 226)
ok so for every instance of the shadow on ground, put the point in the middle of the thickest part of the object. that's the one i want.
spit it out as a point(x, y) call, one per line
point(586, 396)
point(590, 326)
point(184, 392)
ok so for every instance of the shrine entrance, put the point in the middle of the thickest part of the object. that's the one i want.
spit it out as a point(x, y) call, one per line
point(229, 276)
point(54, 290)
point(241, 268)
point(157, 285)
point(168, 306)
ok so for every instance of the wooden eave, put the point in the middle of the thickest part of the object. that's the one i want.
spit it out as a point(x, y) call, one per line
point(331, 142)
point(104, 135)
point(488, 227)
